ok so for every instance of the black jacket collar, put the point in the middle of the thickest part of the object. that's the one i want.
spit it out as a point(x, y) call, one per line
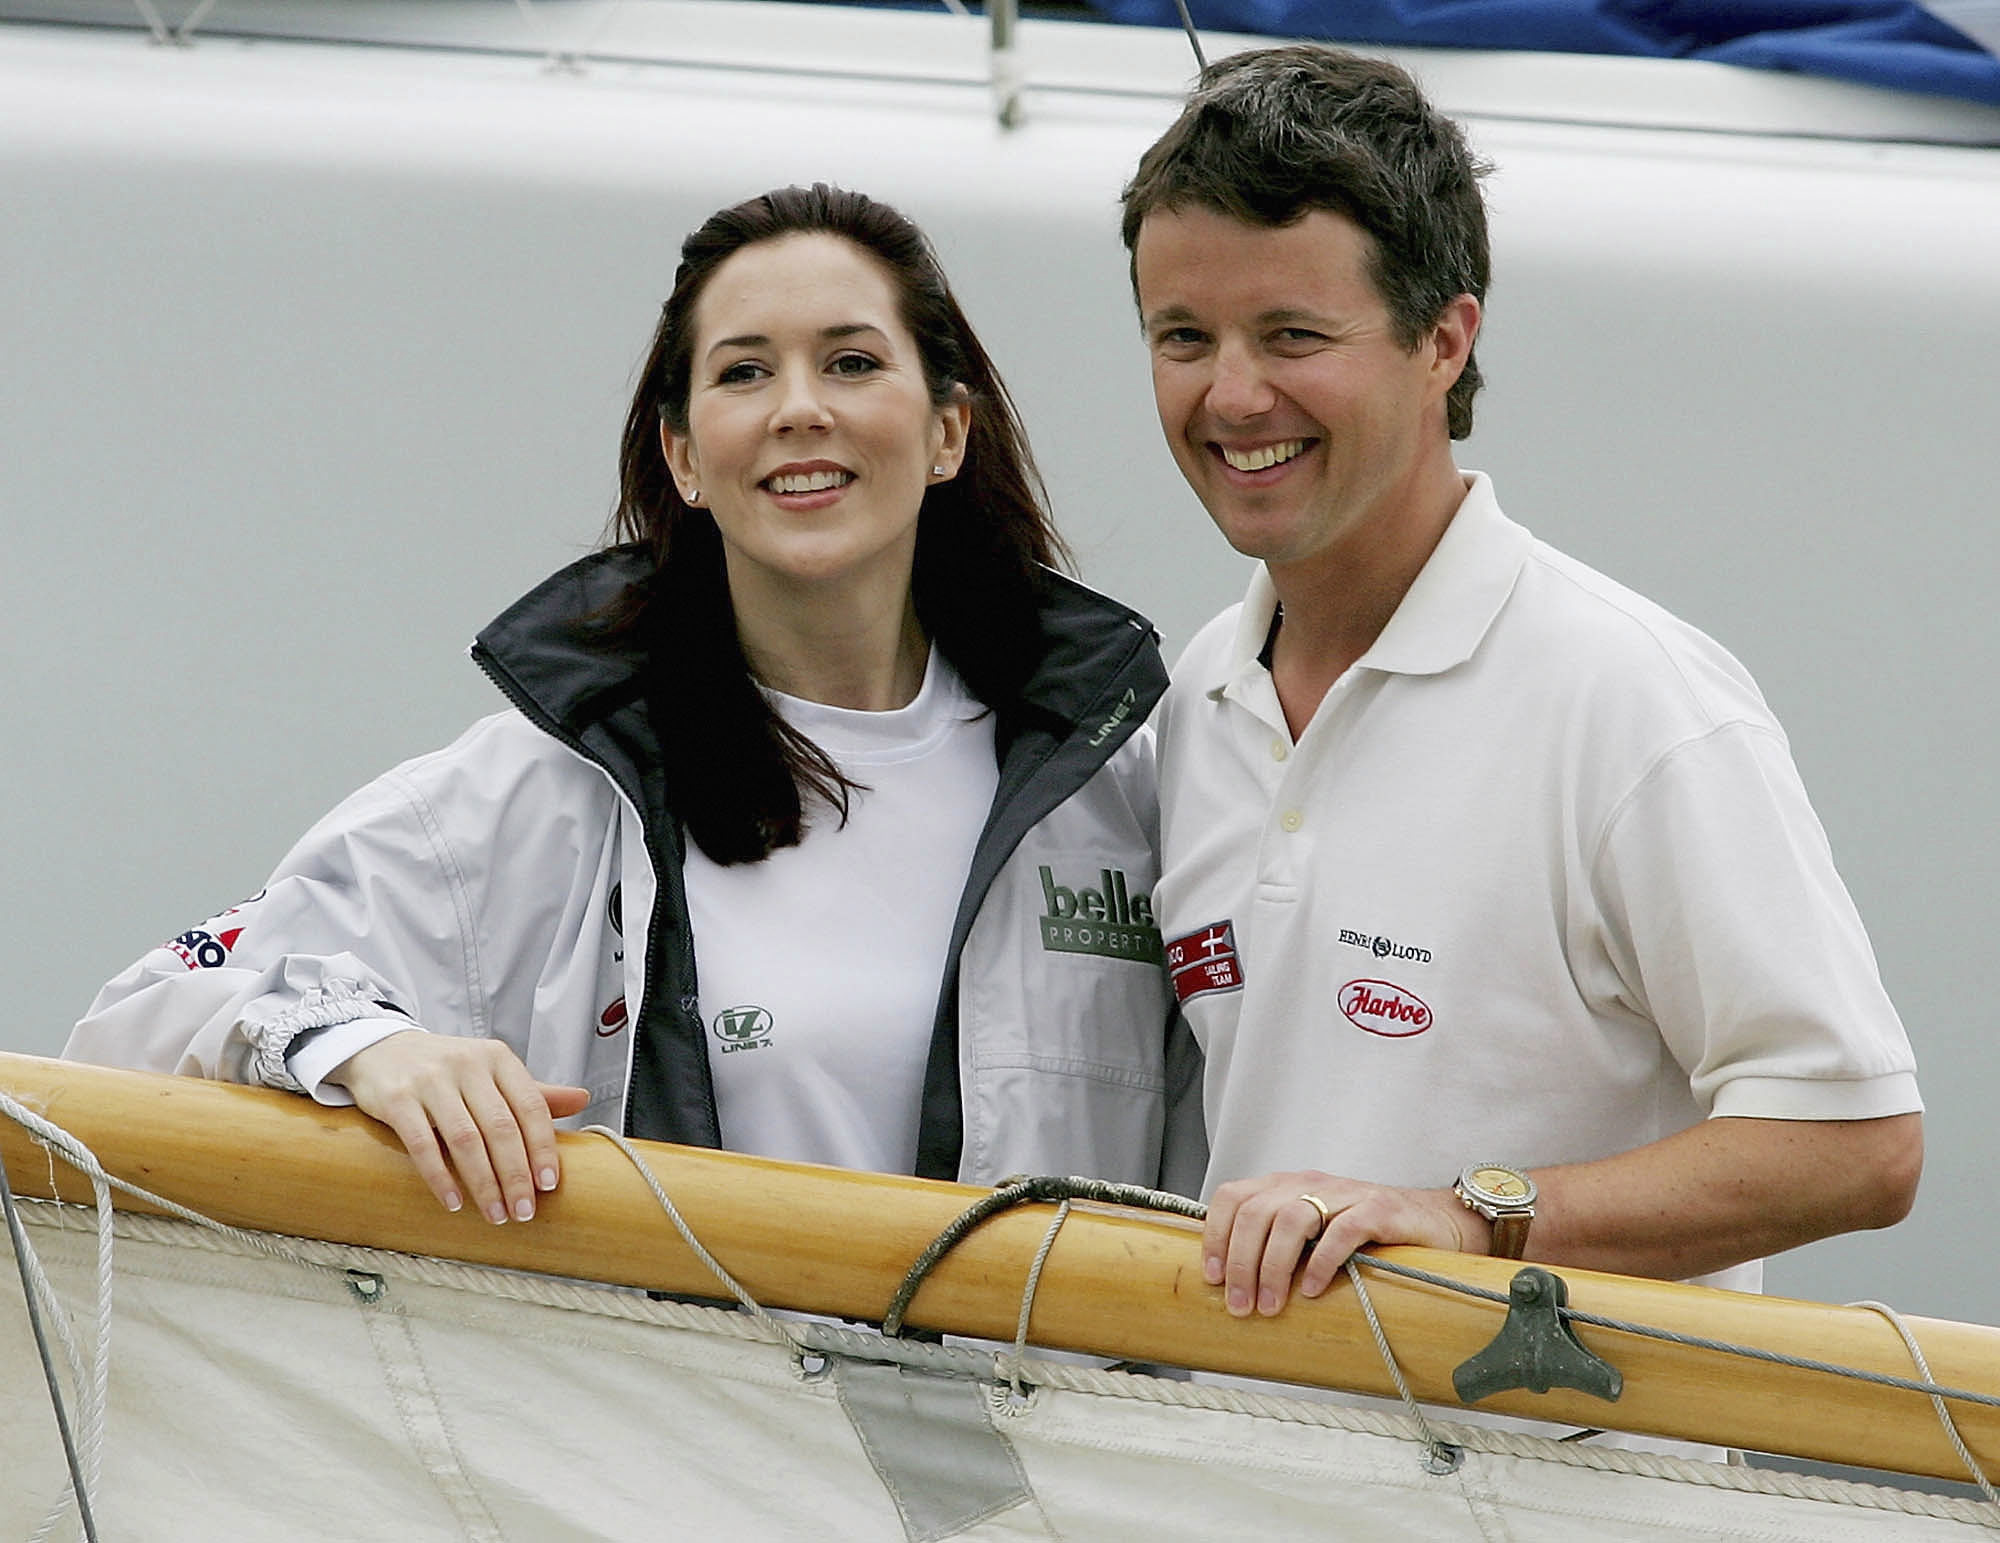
point(556, 657)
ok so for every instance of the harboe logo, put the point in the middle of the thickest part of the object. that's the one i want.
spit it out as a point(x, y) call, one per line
point(1382, 1007)
point(1108, 920)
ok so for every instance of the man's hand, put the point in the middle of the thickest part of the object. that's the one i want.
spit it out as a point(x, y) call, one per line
point(1258, 1228)
point(1729, 1189)
point(496, 1122)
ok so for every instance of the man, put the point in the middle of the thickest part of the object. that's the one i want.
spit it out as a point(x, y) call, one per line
point(1492, 892)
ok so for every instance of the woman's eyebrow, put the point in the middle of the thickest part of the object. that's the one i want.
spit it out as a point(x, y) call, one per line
point(845, 329)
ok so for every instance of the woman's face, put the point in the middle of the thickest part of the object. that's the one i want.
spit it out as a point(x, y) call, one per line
point(811, 432)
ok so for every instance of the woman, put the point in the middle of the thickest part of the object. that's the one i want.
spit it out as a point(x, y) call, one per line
point(826, 722)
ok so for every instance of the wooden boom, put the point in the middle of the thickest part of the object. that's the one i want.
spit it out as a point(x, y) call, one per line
point(1120, 1283)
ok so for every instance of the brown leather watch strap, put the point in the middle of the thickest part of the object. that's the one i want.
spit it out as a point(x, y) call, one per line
point(1510, 1234)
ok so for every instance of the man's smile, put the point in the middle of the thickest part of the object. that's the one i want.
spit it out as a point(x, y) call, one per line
point(1264, 456)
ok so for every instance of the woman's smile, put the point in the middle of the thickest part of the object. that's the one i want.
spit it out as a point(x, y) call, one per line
point(808, 397)
point(807, 484)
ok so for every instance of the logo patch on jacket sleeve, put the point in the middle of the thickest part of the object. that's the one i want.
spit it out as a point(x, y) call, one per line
point(1110, 919)
point(202, 950)
point(209, 946)
point(1205, 960)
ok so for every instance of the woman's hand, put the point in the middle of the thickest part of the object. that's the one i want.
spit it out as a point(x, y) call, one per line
point(496, 1122)
point(1258, 1229)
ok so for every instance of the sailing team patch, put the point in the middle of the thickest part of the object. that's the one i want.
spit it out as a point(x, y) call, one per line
point(1205, 960)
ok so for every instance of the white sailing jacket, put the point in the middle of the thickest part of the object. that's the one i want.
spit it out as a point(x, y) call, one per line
point(524, 884)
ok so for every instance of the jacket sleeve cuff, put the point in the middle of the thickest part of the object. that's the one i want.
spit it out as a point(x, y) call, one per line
point(336, 1003)
point(317, 1053)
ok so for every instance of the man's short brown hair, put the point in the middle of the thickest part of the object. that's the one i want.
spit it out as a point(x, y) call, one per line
point(1270, 135)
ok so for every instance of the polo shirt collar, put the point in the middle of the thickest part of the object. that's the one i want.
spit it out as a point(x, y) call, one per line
point(1441, 620)
point(1459, 591)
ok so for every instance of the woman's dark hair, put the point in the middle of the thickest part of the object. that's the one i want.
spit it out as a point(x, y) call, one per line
point(1270, 135)
point(736, 772)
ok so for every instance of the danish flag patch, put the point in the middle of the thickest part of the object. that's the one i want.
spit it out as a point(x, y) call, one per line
point(1205, 960)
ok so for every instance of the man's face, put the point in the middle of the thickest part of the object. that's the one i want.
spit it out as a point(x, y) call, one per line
point(1299, 420)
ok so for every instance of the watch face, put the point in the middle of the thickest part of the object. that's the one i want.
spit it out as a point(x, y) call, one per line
point(1502, 1185)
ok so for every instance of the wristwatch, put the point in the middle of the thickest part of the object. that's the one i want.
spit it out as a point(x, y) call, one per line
point(1506, 1198)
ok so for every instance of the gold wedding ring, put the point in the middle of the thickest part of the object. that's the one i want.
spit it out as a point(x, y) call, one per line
point(1319, 1205)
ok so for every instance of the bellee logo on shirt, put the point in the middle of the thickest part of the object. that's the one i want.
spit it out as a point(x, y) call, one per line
point(1385, 1008)
point(1112, 920)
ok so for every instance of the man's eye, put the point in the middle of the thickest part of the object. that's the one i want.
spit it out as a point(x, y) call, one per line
point(1180, 338)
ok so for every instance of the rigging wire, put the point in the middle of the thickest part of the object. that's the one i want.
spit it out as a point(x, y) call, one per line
point(1028, 1190)
point(1695, 1341)
point(1194, 42)
point(28, 1293)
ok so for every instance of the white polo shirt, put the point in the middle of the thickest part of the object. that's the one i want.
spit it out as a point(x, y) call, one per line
point(1538, 884)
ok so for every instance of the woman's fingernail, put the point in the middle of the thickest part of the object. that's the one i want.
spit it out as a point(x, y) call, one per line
point(524, 1209)
point(496, 1213)
point(546, 1178)
point(451, 1201)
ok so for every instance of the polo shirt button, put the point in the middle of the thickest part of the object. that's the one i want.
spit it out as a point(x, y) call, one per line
point(1279, 750)
point(1291, 820)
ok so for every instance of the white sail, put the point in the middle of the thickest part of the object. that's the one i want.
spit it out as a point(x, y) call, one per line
point(346, 1393)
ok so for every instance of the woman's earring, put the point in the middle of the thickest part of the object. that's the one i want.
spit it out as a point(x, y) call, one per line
point(694, 495)
point(937, 471)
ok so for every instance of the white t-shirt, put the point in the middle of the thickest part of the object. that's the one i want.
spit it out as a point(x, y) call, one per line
point(1537, 884)
point(819, 968)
